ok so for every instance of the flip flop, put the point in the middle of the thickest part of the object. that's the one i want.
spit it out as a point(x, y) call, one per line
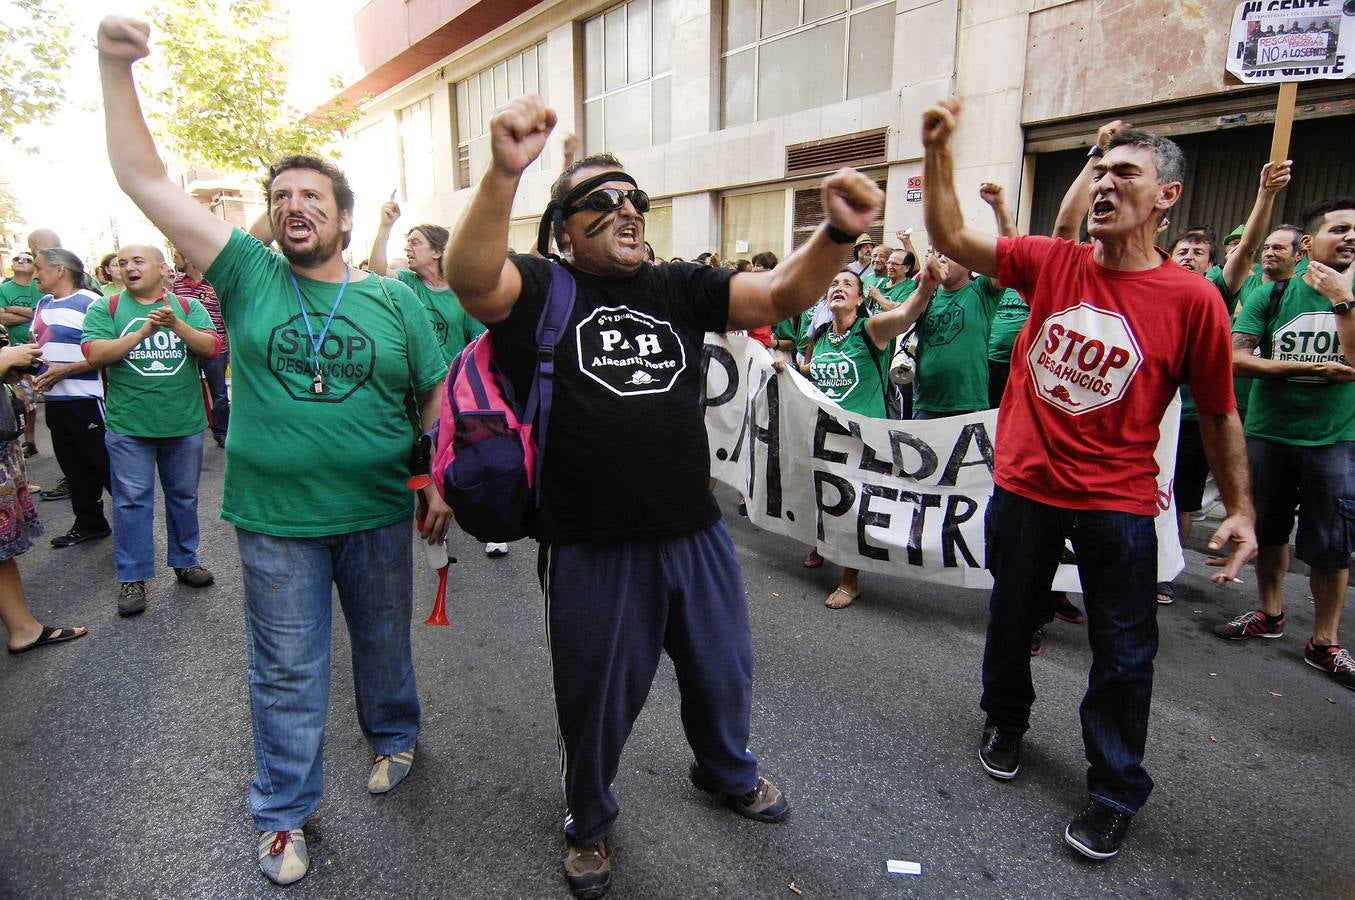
point(51, 635)
point(1166, 593)
point(812, 560)
point(850, 595)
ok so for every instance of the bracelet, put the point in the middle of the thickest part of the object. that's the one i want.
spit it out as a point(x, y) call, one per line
point(838, 236)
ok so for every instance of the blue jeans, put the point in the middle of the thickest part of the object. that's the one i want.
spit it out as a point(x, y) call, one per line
point(132, 463)
point(215, 370)
point(1117, 561)
point(288, 610)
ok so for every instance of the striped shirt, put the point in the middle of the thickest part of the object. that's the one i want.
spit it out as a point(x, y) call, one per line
point(57, 327)
point(206, 295)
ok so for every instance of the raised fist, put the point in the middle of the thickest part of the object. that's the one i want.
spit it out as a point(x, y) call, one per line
point(390, 211)
point(518, 131)
point(851, 201)
point(991, 193)
point(1109, 130)
point(123, 39)
point(938, 122)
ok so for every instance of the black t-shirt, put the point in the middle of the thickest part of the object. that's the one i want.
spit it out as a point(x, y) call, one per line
point(626, 450)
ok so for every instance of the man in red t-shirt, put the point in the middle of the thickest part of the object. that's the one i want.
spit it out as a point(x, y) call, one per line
point(1114, 330)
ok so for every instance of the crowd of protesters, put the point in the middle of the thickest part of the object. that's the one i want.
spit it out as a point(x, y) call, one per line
point(131, 361)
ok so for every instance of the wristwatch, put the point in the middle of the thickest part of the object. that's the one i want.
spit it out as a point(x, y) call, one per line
point(1094, 151)
point(1343, 308)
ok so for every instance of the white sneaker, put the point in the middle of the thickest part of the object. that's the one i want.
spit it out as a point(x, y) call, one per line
point(388, 771)
point(494, 551)
point(282, 855)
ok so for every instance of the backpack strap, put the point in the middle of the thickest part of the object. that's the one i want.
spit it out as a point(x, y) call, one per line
point(1277, 290)
point(549, 329)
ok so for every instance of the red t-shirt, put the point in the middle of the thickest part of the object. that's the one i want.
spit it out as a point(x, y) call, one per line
point(762, 334)
point(1095, 368)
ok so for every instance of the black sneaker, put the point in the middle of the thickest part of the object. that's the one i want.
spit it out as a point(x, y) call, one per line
point(588, 870)
point(195, 576)
point(1037, 641)
point(131, 598)
point(61, 492)
point(1000, 753)
point(764, 803)
point(1098, 831)
point(1254, 623)
point(1332, 659)
point(1066, 610)
point(76, 536)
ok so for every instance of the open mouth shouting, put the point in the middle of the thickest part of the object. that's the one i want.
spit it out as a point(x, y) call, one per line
point(297, 229)
point(1102, 209)
point(628, 234)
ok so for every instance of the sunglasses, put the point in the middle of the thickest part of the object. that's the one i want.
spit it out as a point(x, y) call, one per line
point(609, 199)
point(23, 259)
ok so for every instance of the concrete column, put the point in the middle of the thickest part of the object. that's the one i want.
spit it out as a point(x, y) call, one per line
point(696, 68)
point(696, 220)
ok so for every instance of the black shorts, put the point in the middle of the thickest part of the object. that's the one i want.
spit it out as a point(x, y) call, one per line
point(1192, 468)
point(1320, 483)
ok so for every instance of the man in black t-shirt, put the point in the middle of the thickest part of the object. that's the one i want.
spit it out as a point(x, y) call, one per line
point(635, 559)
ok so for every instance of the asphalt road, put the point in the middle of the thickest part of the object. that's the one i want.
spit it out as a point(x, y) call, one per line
point(126, 755)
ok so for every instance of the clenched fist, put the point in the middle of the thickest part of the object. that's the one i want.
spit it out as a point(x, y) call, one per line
point(938, 122)
point(518, 131)
point(851, 201)
point(123, 39)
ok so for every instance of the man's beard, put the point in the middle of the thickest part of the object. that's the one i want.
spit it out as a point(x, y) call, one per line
point(321, 252)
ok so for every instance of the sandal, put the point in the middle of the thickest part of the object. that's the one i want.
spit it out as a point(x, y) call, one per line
point(812, 560)
point(848, 597)
point(1166, 593)
point(51, 635)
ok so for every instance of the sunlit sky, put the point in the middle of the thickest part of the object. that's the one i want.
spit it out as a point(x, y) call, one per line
point(67, 184)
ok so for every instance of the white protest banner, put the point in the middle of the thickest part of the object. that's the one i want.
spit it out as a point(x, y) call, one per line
point(899, 498)
point(1273, 41)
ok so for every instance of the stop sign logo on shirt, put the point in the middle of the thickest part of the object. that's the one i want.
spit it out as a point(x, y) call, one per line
point(1083, 359)
point(629, 352)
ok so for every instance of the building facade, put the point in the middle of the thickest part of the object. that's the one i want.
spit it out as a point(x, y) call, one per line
point(730, 112)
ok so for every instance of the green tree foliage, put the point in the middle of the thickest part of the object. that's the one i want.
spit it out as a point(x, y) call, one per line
point(221, 95)
point(35, 46)
point(9, 207)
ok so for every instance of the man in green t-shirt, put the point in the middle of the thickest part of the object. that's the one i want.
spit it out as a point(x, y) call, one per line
point(329, 362)
point(1193, 249)
point(1301, 435)
point(18, 297)
point(424, 246)
point(148, 343)
point(953, 330)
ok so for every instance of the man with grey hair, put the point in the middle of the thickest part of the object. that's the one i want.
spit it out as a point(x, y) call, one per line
point(1114, 330)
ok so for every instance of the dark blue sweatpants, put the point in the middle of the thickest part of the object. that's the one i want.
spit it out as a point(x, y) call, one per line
point(610, 609)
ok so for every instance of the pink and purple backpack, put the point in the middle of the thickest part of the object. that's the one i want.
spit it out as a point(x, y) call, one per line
point(488, 449)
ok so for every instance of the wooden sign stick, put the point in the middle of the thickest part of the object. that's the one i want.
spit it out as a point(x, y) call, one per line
point(1284, 121)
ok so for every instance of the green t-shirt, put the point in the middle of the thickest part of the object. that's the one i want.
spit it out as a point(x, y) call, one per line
point(952, 364)
point(1242, 385)
point(452, 327)
point(896, 294)
point(851, 371)
point(153, 391)
point(870, 279)
point(300, 464)
point(14, 294)
point(109, 290)
point(1008, 321)
point(1297, 411)
point(1215, 276)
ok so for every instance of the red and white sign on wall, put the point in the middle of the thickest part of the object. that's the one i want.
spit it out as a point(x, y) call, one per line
point(914, 194)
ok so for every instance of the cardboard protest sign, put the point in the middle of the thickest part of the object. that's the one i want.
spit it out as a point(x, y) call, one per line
point(899, 498)
point(1274, 41)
